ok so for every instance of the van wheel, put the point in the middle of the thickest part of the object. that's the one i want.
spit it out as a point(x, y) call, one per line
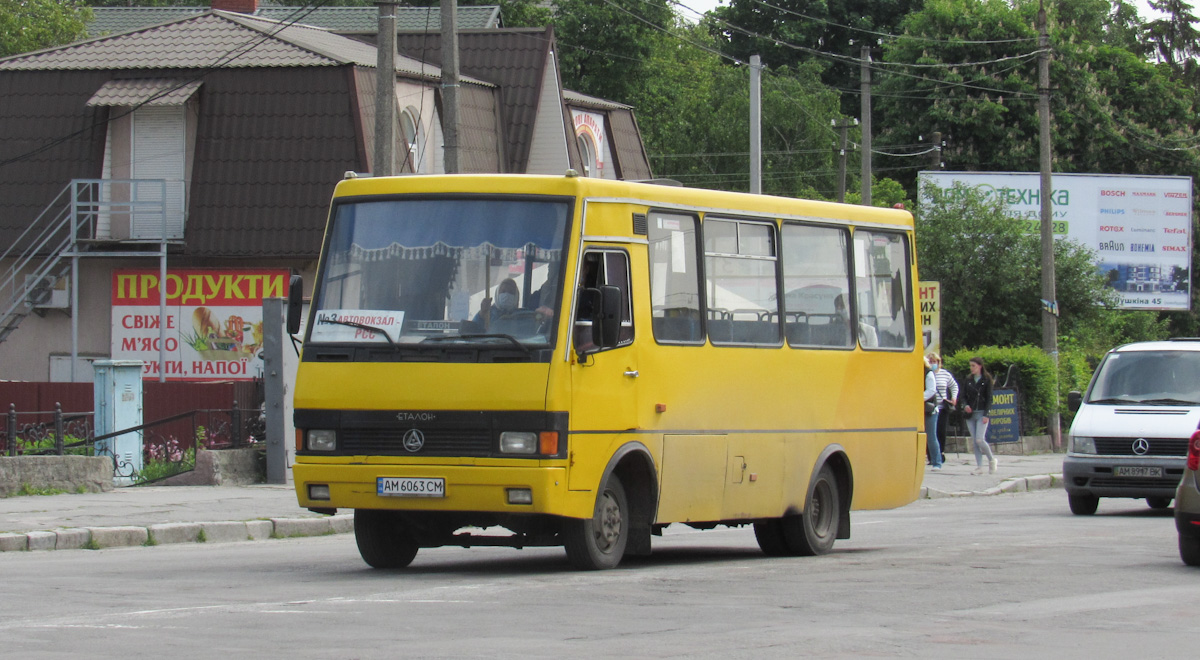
point(599, 542)
point(1189, 550)
point(382, 540)
point(1158, 502)
point(1083, 505)
point(814, 531)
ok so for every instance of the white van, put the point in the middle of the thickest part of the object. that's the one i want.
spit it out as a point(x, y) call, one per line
point(1131, 429)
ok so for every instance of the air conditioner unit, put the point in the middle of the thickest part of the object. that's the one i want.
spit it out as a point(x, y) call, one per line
point(48, 292)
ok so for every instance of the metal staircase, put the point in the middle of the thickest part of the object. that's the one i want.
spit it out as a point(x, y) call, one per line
point(42, 255)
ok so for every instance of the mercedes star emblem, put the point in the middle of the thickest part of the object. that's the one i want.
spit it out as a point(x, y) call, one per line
point(1140, 446)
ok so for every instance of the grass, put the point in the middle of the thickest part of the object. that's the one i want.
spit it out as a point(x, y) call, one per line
point(202, 537)
point(91, 545)
point(27, 489)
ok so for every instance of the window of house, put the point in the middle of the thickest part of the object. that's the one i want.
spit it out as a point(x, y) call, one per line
point(412, 157)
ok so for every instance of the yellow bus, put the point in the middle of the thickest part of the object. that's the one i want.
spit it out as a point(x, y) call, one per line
point(528, 361)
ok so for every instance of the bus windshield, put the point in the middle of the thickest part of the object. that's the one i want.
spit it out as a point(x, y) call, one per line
point(403, 272)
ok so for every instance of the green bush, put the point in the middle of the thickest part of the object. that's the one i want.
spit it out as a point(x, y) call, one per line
point(1035, 373)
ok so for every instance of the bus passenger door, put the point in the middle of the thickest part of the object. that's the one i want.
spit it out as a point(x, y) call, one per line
point(604, 382)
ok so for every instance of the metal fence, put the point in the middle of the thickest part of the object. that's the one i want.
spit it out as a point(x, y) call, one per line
point(168, 445)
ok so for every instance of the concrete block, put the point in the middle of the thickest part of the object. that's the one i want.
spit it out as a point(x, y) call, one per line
point(1044, 482)
point(342, 524)
point(287, 527)
point(13, 542)
point(71, 539)
point(42, 540)
point(118, 537)
point(1013, 486)
point(224, 532)
point(70, 473)
point(175, 532)
point(259, 529)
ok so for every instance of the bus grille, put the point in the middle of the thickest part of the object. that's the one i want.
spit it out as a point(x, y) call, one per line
point(1158, 447)
point(438, 442)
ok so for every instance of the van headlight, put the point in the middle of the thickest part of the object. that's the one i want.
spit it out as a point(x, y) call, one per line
point(1081, 444)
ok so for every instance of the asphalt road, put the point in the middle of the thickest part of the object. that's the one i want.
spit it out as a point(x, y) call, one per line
point(1011, 576)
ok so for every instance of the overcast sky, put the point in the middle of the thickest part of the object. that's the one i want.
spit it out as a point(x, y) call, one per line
point(706, 5)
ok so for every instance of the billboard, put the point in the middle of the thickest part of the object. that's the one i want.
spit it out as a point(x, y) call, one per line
point(1140, 227)
point(213, 323)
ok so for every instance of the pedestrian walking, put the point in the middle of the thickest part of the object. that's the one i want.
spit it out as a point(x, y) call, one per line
point(947, 389)
point(931, 415)
point(977, 397)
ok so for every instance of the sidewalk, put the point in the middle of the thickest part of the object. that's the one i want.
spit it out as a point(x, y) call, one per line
point(188, 514)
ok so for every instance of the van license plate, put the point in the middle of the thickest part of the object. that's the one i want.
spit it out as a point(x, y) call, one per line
point(410, 487)
point(1137, 471)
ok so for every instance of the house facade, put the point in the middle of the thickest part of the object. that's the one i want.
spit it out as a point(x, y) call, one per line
point(205, 148)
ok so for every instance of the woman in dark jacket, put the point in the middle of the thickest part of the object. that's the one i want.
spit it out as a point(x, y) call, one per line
point(977, 395)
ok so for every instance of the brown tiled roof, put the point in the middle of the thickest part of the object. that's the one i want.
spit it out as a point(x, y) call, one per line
point(145, 91)
point(513, 59)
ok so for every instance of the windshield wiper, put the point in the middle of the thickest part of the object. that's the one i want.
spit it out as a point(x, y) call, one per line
point(362, 326)
point(1115, 400)
point(508, 338)
point(1169, 402)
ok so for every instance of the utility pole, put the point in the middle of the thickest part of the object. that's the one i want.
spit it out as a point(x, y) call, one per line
point(865, 75)
point(1049, 296)
point(450, 83)
point(756, 124)
point(841, 126)
point(385, 94)
point(935, 156)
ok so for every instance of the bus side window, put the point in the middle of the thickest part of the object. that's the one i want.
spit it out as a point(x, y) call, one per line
point(603, 268)
point(675, 279)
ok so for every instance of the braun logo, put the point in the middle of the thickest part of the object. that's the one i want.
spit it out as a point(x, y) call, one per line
point(1112, 228)
point(1141, 247)
point(1112, 211)
point(1112, 246)
point(1174, 248)
point(1176, 195)
point(1112, 193)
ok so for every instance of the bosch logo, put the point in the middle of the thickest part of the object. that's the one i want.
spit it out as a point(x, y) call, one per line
point(414, 440)
point(1141, 446)
point(1112, 193)
point(1112, 228)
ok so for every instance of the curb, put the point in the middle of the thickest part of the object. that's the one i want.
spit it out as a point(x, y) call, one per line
point(95, 538)
point(1013, 485)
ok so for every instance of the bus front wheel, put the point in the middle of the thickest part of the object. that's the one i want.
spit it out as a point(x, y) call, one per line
point(814, 531)
point(382, 539)
point(599, 542)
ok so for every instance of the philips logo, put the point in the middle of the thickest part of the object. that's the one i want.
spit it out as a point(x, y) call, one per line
point(1112, 193)
point(1112, 228)
point(1141, 247)
point(1112, 246)
point(1112, 211)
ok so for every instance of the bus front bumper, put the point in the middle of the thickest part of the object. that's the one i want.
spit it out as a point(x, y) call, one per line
point(466, 488)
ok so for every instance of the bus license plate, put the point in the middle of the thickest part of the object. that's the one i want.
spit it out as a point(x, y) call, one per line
point(1137, 471)
point(410, 487)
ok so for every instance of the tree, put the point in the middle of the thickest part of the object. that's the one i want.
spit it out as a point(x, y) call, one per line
point(989, 271)
point(28, 25)
point(1175, 38)
point(607, 43)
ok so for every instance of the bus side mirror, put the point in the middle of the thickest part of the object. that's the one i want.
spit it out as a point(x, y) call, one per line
point(606, 317)
point(295, 302)
point(1074, 400)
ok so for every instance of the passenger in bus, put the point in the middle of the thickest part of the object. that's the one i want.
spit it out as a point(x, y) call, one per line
point(507, 297)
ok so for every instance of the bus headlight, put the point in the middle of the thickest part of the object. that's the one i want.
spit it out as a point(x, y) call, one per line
point(1081, 444)
point(518, 442)
point(322, 440)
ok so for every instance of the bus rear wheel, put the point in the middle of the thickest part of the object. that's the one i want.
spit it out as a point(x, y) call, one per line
point(814, 531)
point(382, 539)
point(599, 542)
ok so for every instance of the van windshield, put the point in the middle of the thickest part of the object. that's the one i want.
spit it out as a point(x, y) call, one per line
point(403, 272)
point(1148, 377)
